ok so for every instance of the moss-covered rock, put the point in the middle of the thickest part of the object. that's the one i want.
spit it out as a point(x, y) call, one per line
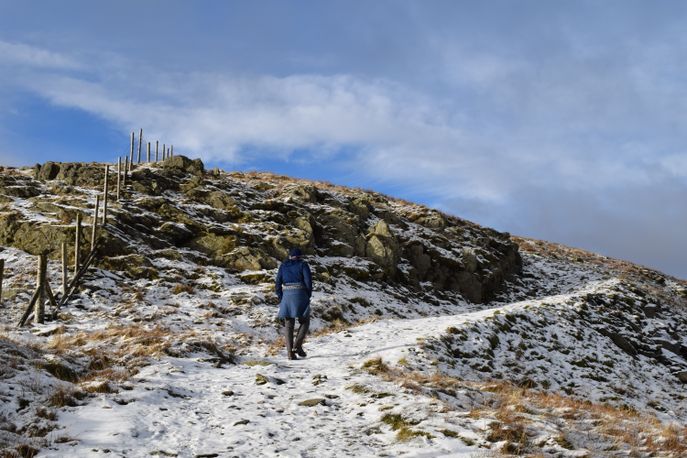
point(184, 164)
point(247, 258)
point(382, 247)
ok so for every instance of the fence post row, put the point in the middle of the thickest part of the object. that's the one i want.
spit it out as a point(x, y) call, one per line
point(43, 289)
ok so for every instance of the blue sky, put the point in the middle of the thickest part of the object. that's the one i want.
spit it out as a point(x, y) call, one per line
point(557, 120)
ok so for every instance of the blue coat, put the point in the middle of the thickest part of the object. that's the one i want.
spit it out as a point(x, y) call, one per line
point(294, 288)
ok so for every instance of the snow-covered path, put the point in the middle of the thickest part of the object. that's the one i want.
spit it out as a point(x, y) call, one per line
point(182, 407)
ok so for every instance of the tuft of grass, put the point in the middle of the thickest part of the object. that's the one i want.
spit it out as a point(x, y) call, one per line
point(59, 370)
point(48, 414)
point(182, 288)
point(358, 388)
point(63, 397)
point(255, 362)
point(405, 434)
point(448, 433)
point(375, 366)
point(397, 421)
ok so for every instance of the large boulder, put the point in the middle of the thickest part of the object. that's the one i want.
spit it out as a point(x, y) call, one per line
point(246, 258)
point(300, 192)
point(382, 247)
point(184, 164)
point(215, 245)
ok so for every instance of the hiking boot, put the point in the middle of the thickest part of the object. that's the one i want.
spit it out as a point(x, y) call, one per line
point(292, 355)
point(301, 353)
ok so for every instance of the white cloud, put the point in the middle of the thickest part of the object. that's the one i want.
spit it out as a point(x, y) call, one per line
point(675, 164)
point(26, 55)
point(402, 136)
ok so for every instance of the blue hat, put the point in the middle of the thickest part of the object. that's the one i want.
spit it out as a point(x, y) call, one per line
point(295, 253)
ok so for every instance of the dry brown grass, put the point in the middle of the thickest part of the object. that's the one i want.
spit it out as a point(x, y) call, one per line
point(512, 407)
point(182, 288)
point(133, 340)
point(64, 396)
point(276, 346)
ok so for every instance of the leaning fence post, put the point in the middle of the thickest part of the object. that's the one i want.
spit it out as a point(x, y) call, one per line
point(140, 141)
point(148, 152)
point(65, 269)
point(77, 243)
point(106, 189)
point(39, 310)
point(157, 150)
point(94, 229)
point(119, 176)
point(2, 269)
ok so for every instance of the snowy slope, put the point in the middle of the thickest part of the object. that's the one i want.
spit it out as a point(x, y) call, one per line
point(165, 347)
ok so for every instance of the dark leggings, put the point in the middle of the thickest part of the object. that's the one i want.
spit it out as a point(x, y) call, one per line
point(290, 324)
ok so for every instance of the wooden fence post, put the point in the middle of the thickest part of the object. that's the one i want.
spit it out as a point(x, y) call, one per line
point(148, 152)
point(171, 151)
point(94, 229)
point(39, 310)
point(131, 153)
point(164, 151)
point(140, 142)
point(157, 148)
point(65, 269)
point(2, 273)
point(77, 243)
point(119, 176)
point(106, 190)
point(126, 171)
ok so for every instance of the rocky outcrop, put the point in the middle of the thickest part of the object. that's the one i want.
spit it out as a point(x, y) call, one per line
point(71, 173)
point(250, 221)
point(184, 165)
point(382, 247)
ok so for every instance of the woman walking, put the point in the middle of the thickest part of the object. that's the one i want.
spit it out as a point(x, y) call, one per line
point(294, 288)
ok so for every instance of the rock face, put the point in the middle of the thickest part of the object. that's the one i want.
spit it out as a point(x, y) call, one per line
point(382, 247)
point(248, 222)
point(71, 173)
